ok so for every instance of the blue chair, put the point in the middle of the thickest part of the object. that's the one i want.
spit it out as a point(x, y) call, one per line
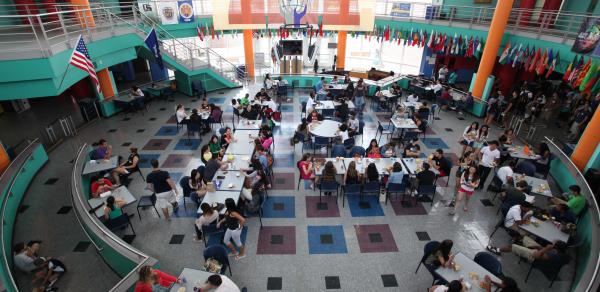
point(370, 188)
point(395, 189)
point(219, 253)
point(328, 113)
point(329, 186)
point(361, 126)
point(489, 262)
point(357, 150)
point(338, 150)
point(210, 230)
point(192, 128)
point(320, 142)
point(427, 250)
point(184, 183)
point(303, 139)
point(550, 268)
point(381, 130)
point(427, 191)
point(351, 190)
point(349, 143)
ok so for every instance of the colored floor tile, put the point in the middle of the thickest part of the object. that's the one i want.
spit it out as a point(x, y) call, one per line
point(375, 238)
point(326, 207)
point(284, 181)
point(370, 206)
point(409, 207)
point(146, 158)
point(177, 161)
point(216, 100)
point(276, 240)
point(284, 160)
point(188, 144)
point(326, 240)
point(157, 144)
point(434, 143)
point(279, 207)
point(286, 108)
point(167, 131)
point(172, 120)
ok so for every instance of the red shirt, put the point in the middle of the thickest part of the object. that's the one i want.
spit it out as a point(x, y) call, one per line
point(164, 280)
point(96, 185)
point(446, 95)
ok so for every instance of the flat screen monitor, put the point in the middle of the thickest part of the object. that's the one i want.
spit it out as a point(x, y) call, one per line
point(292, 47)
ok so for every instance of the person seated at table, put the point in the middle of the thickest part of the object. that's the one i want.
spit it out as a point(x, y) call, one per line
point(574, 200)
point(250, 198)
point(227, 137)
point(388, 150)
point(419, 122)
point(518, 215)
point(261, 95)
point(305, 167)
point(513, 196)
point(544, 154)
point(508, 284)
point(215, 145)
point(320, 84)
point(525, 167)
point(206, 155)
point(442, 256)
point(424, 110)
point(103, 151)
point(196, 119)
point(208, 217)
point(413, 97)
point(112, 208)
point(533, 251)
point(302, 129)
point(379, 97)
point(215, 114)
point(261, 155)
point(180, 114)
point(353, 124)
point(152, 279)
point(508, 136)
point(335, 80)
point(197, 185)
point(255, 175)
point(236, 104)
point(127, 166)
point(426, 177)
point(374, 152)
point(441, 163)
point(562, 213)
point(328, 175)
point(219, 283)
point(136, 91)
point(371, 173)
point(315, 116)
point(395, 89)
point(343, 111)
point(244, 101)
point(352, 176)
point(372, 144)
point(271, 104)
point(454, 286)
point(251, 112)
point(445, 98)
point(101, 185)
point(437, 88)
point(310, 103)
point(343, 133)
point(396, 174)
point(212, 166)
point(204, 106)
point(412, 149)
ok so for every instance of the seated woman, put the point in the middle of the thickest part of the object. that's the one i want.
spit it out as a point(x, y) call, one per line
point(266, 138)
point(303, 130)
point(204, 106)
point(371, 173)
point(343, 133)
point(353, 124)
point(180, 114)
point(507, 137)
point(209, 216)
point(126, 167)
point(421, 126)
point(112, 208)
point(305, 166)
point(101, 185)
point(197, 185)
point(388, 150)
point(215, 145)
point(227, 137)
point(206, 154)
point(380, 97)
point(153, 280)
point(441, 256)
point(328, 175)
point(372, 144)
point(374, 153)
point(352, 176)
point(454, 286)
point(396, 173)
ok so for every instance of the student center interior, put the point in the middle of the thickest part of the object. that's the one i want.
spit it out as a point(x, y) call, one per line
point(372, 145)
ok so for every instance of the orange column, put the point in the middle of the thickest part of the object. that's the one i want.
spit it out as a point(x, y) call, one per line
point(249, 52)
point(492, 44)
point(4, 160)
point(84, 18)
point(587, 143)
point(106, 83)
point(341, 50)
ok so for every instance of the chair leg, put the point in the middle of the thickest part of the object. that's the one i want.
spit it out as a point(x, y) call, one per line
point(184, 207)
point(529, 272)
point(299, 180)
point(138, 211)
point(260, 216)
point(418, 267)
point(156, 211)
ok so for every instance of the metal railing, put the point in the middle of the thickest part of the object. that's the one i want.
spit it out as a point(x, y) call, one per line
point(89, 221)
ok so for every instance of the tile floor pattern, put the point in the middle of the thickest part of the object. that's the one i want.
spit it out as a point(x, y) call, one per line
point(305, 243)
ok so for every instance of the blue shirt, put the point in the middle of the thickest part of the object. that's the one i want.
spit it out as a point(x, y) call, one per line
point(100, 153)
point(319, 86)
point(263, 160)
point(395, 178)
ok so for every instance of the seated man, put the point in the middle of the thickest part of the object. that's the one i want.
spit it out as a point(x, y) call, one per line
point(103, 151)
point(412, 149)
point(136, 92)
point(101, 185)
point(45, 270)
point(426, 177)
point(412, 98)
point(532, 251)
point(518, 215)
point(353, 124)
point(219, 283)
point(441, 163)
point(505, 173)
point(212, 166)
point(562, 214)
point(526, 167)
point(574, 200)
point(445, 99)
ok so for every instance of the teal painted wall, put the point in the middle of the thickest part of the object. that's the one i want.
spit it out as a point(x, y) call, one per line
point(7, 10)
point(21, 184)
point(594, 161)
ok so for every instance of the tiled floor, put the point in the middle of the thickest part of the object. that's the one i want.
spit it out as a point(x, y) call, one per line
point(304, 243)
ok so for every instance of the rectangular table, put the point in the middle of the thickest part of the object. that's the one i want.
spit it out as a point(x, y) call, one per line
point(229, 177)
point(119, 193)
point(194, 278)
point(388, 94)
point(219, 197)
point(538, 186)
point(324, 104)
point(348, 102)
point(361, 164)
point(238, 162)
point(467, 266)
point(403, 123)
point(157, 88)
point(126, 98)
point(545, 230)
point(340, 168)
point(94, 166)
point(248, 125)
point(518, 153)
point(243, 144)
point(410, 165)
point(416, 104)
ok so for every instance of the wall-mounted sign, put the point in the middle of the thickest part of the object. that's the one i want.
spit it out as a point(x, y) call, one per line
point(400, 9)
point(588, 38)
point(167, 11)
point(186, 11)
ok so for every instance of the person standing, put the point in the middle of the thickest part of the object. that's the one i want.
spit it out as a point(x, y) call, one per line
point(442, 73)
point(468, 182)
point(488, 157)
point(160, 182)
point(316, 66)
point(234, 222)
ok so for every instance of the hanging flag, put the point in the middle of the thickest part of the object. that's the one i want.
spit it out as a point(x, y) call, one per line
point(504, 54)
point(480, 45)
point(386, 33)
point(212, 32)
point(517, 55)
point(321, 27)
point(582, 73)
point(423, 38)
point(577, 66)
point(200, 33)
point(589, 81)
point(569, 68)
point(82, 60)
point(430, 42)
point(535, 60)
point(541, 66)
point(553, 64)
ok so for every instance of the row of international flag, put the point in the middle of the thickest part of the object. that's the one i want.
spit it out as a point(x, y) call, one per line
point(583, 75)
point(530, 59)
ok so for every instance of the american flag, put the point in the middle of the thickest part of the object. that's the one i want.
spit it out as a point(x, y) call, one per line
point(81, 59)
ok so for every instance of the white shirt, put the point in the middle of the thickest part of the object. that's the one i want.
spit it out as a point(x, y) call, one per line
point(412, 98)
point(282, 82)
point(269, 83)
point(442, 73)
point(466, 134)
point(353, 124)
point(227, 285)
point(310, 104)
point(24, 262)
point(513, 215)
point(503, 173)
point(272, 105)
point(489, 156)
point(138, 93)
point(181, 115)
point(441, 288)
point(344, 135)
point(437, 87)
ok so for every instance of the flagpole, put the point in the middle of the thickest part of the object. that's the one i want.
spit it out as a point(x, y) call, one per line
point(69, 65)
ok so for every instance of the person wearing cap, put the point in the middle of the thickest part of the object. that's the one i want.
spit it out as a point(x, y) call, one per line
point(219, 283)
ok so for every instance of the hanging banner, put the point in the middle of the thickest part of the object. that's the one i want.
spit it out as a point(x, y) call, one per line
point(148, 8)
point(186, 11)
point(167, 12)
point(588, 38)
point(400, 9)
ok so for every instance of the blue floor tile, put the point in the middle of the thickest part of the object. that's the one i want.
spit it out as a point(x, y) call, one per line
point(287, 108)
point(167, 131)
point(434, 143)
point(368, 208)
point(185, 144)
point(367, 118)
point(279, 207)
point(284, 160)
point(176, 176)
point(146, 158)
point(303, 99)
point(326, 240)
point(216, 100)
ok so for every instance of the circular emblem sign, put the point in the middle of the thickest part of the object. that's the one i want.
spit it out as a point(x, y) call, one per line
point(186, 11)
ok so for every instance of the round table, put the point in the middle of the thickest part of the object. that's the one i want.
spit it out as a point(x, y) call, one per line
point(325, 128)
